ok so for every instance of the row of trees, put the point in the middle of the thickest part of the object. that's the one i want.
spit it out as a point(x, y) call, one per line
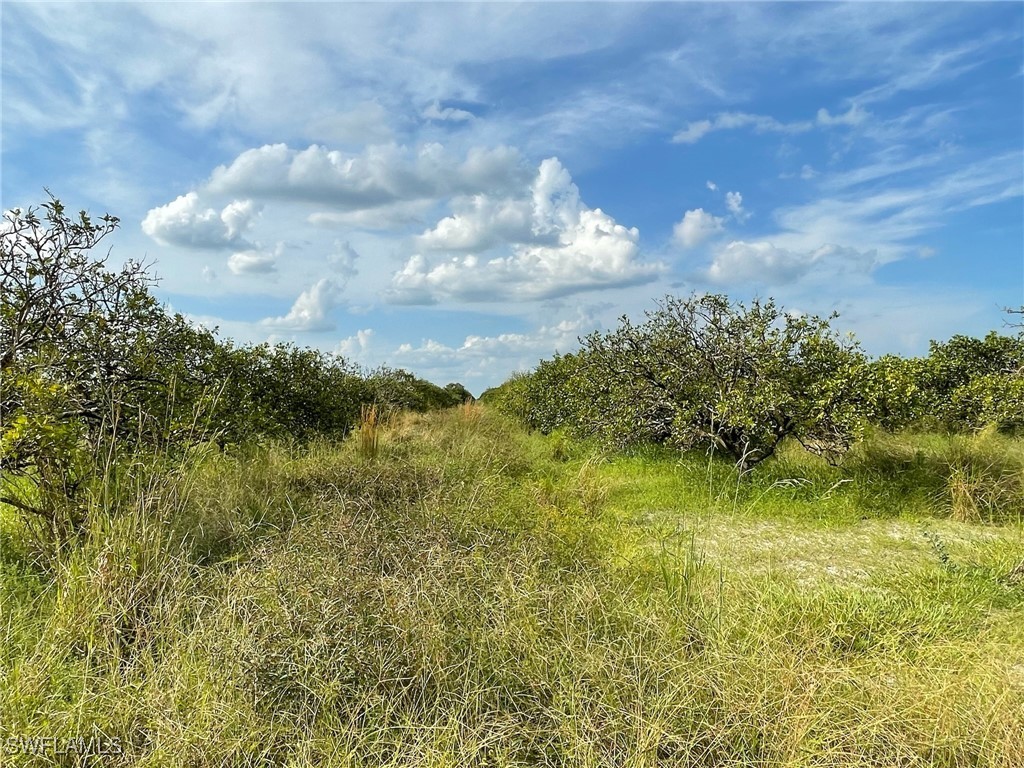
point(704, 371)
point(93, 368)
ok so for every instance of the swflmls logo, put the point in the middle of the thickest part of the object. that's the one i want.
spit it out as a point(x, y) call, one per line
point(52, 745)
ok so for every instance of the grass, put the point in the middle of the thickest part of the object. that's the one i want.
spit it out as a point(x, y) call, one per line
point(466, 594)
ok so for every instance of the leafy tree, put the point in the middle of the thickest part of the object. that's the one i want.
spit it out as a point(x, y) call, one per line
point(88, 359)
point(963, 374)
point(397, 388)
point(459, 393)
point(893, 390)
point(511, 397)
point(992, 399)
point(704, 371)
point(741, 379)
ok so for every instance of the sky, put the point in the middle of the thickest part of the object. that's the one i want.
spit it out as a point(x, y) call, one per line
point(464, 189)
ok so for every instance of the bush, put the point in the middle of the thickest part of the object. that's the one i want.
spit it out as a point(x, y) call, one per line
point(703, 371)
point(90, 364)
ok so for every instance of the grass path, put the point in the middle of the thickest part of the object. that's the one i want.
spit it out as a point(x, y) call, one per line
point(472, 595)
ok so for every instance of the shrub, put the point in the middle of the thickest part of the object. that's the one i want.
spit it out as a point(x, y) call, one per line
point(702, 371)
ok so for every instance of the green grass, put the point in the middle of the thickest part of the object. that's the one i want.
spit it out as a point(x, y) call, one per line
point(467, 594)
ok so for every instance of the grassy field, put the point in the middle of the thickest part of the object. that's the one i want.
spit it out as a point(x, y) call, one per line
point(455, 592)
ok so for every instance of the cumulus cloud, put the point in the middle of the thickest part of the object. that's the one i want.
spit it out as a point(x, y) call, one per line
point(696, 227)
point(763, 262)
point(556, 200)
point(310, 310)
point(512, 349)
point(251, 262)
point(553, 245)
point(712, 186)
point(479, 223)
point(188, 223)
point(380, 175)
point(356, 345)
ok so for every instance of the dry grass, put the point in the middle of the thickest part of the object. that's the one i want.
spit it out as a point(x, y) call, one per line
point(467, 594)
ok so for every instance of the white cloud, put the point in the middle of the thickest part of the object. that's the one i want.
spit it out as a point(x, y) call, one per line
point(887, 219)
point(727, 121)
point(251, 262)
point(556, 200)
point(479, 223)
point(355, 347)
point(566, 248)
point(511, 350)
point(392, 217)
point(237, 216)
point(380, 175)
point(695, 131)
point(695, 227)
point(734, 202)
point(450, 114)
point(712, 186)
point(765, 263)
point(188, 223)
point(310, 310)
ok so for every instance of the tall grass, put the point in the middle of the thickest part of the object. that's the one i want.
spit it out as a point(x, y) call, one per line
point(468, 594)
point(369, 431)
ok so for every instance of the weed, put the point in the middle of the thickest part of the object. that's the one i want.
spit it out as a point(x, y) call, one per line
point(369, 431)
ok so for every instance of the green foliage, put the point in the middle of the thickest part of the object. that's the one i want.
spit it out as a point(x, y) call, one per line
point(892, 390)
point(995, 398)
point(396, 388)
point(512, 397)
point(89, 362)
point(94, 372)
point(283, 391)
point(964, 378)
point(702, 371)
point(459, 392)
point(964, 383)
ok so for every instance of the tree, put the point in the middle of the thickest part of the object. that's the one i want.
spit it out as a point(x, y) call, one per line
point(740, 379)
point(89, 361)
point(965, 380)
point(397, 388)
point(459, 393)
point(892, 388)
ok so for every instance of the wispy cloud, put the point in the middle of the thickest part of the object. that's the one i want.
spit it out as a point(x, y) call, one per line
point(887, 220)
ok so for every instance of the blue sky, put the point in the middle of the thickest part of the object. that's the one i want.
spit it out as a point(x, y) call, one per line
point(463, 189)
